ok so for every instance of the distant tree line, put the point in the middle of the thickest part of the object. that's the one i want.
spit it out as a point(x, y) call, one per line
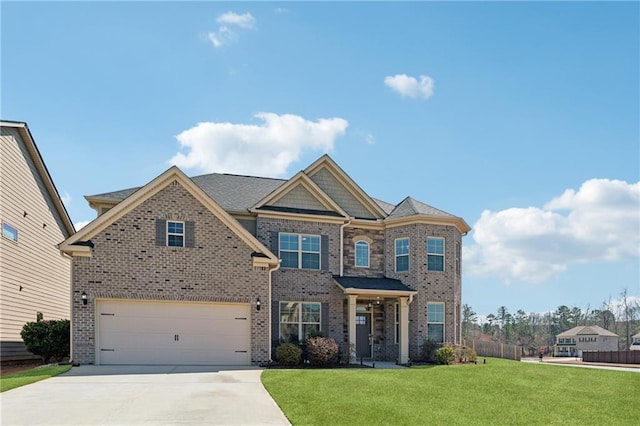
point(533, 330)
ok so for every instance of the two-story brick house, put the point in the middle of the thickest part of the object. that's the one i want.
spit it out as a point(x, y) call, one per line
point(220, 269)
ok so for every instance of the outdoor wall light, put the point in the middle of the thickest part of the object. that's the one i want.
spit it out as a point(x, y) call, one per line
point(258, 304)
point(84, 298)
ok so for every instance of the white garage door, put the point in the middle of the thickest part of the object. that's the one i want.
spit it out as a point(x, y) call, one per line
point(180, 333)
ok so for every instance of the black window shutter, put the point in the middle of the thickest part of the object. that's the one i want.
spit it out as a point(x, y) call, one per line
point(275, 327)
point(324, 252)
point(275, 243)
point(189, 234)
point(161, 232)
point(324, 319)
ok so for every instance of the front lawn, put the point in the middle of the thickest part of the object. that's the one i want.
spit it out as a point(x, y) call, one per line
point(499, 392)
point(26, 377)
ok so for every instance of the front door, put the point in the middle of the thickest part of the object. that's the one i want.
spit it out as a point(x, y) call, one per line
point(363, 333)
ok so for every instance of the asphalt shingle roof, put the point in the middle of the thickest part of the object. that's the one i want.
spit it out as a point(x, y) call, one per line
point(591, 330)
point(363, 283)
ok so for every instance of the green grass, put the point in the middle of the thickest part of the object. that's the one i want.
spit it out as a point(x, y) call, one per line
point(499, 392)
point(14, 380)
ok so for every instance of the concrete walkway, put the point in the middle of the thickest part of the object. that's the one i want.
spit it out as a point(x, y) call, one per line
point(144, 395)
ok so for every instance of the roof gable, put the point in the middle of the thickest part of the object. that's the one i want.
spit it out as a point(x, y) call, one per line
point(300, 194)
point(51, 190)
point(411, 209)
point(343, 190)
point(583, 330)
point(76, 244)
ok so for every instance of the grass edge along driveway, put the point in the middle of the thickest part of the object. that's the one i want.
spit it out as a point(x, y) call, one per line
point(21, 378)
point(499, 392)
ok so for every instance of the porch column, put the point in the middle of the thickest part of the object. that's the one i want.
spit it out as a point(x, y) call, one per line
point(352, 327)
point(403, 353)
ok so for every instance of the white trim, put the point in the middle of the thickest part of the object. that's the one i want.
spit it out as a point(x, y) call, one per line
point(300, 251)
point(299, 323)
point(395, 254)
point(175, 234)
point(444, 336)
point(355, 254)
point(436, 254)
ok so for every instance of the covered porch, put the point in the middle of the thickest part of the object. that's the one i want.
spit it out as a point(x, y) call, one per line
point(377, 316)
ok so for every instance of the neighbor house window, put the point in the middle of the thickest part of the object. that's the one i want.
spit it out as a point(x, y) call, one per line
point(435, 254)
point(402, 254)
point(300, 251)
point(175, 234)
point(362, 254)
point(298, 319)
point(9, 232)
point(435, 322)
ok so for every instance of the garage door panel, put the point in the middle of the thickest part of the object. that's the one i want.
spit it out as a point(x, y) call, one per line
point(132, 332)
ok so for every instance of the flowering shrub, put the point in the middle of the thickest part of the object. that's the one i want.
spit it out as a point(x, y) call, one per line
point(445, 355)
point(289, 354)
point(322, 351)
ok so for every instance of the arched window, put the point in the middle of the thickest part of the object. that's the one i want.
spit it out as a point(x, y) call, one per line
point(362, 254)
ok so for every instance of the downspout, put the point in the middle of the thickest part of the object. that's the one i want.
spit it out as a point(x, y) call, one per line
point(271, 270)
point(348, 222)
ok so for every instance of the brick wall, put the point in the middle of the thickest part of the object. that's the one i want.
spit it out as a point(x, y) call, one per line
point(126, 263)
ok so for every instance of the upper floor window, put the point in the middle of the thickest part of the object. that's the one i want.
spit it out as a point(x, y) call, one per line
point(298, 320)
point(435, 322)
point(402, 254)
point(457, 258)
point(175, 234)
point(299, 251)
point(362, 254)
point(9, 232)
point(435, 254)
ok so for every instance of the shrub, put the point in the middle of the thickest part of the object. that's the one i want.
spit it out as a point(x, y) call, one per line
point(445, 355)
point(428, 350)
point(289, 354)
point(322, 351)
point(48, 339)
point(464, 354)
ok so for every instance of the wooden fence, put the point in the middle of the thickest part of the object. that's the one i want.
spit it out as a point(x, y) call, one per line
point(495, 350)
point(614, 357)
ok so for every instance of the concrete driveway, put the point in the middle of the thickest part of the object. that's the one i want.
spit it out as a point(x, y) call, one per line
point(144, 395)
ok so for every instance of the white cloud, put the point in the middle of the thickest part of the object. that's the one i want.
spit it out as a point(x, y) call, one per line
point(246, 20)
point(409, 86)
point(369, 139)
point(226, 34)
point(598, 223)
point(81, 224)
point(264, 150)
point(65, 198)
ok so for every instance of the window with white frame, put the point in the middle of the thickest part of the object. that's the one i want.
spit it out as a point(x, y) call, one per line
point(297, 320)
point(9, 232)
point(435, 322)
point(435, 254)
point(299, 251)
point(175, 233)
point(402, 254)
point(457, 258)
point(362, 254)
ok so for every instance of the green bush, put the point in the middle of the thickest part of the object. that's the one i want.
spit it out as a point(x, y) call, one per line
point(322, 351)
point(48, 339)
point(445, 355)
point(428, 350)
point(289, 354)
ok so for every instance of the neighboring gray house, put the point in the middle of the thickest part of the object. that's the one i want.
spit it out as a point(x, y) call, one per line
point(34, 275)
point(584, 338)
point(221, 269)
point(635, 344)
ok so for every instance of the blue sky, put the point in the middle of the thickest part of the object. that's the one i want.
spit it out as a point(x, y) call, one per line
point(522, 118)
